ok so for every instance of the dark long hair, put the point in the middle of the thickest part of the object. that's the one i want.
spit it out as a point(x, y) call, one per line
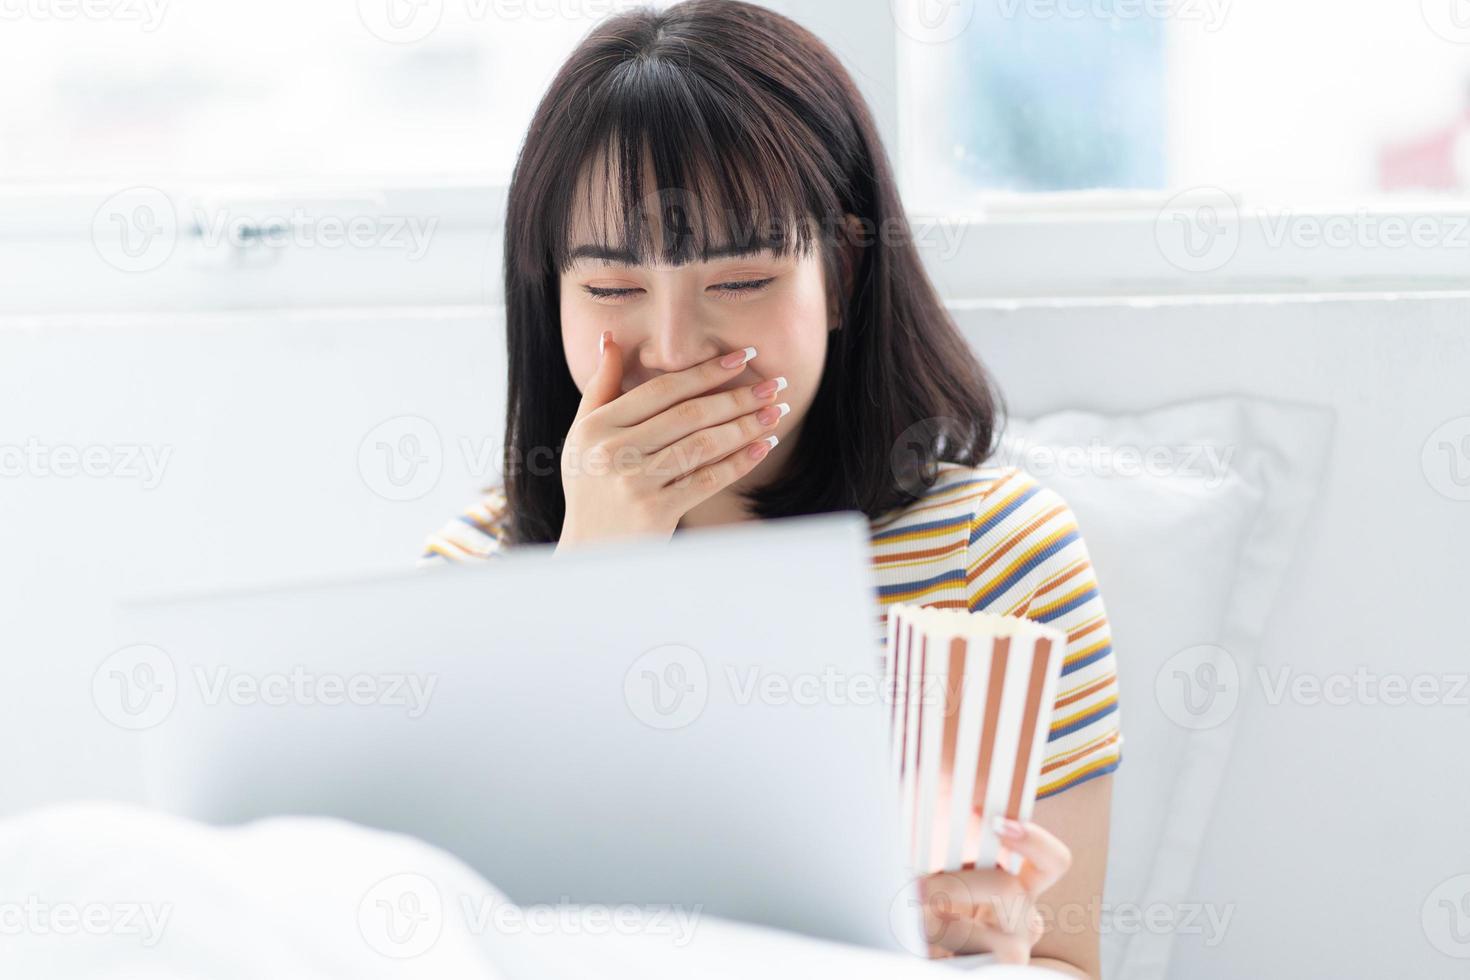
point(751, 127)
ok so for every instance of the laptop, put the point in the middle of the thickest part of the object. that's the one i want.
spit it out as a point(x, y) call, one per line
point(697, 723)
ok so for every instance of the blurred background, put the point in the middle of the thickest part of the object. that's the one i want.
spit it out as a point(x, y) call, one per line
point(1299, 101)
point(250, 334)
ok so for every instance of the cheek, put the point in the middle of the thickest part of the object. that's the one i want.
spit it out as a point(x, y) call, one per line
point(792, 337)
point(579, 333)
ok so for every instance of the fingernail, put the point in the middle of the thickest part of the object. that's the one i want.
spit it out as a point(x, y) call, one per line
point(771, 414)
point(1008, 829)
point(737, 358)
point(759, 449)
point(768, 388)
point(602, 340)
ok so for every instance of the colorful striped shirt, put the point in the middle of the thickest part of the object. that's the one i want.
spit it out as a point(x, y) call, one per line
point(985, 538)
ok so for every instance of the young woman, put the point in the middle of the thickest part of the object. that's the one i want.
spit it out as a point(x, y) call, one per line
point(716, 314)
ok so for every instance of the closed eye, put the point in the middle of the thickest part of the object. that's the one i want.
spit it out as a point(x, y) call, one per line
point(734, 288)
point(744, 285)
point(604, 292)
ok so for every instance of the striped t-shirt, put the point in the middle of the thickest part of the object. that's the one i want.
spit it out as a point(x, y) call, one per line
point(985, 538)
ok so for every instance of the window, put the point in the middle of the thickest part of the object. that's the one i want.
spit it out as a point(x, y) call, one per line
point(1301, 102)
point(269, 89)
point(207, 154)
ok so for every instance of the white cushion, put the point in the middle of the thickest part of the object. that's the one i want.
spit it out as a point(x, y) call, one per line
point(1191, 513)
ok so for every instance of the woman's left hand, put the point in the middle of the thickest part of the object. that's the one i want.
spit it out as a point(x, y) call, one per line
point(988, 910)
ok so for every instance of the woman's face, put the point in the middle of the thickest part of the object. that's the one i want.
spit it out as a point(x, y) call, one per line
point(668, 318)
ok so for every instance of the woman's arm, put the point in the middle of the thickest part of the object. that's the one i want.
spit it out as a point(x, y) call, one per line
point(1071, 907)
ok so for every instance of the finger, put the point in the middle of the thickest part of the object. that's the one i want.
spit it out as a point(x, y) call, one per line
point(979, 910)
point(698, 486)
point(979, 894)
point(712, 444)
point(606, 382)
point(1044, 857)
point(688, 417)
point(667, 390)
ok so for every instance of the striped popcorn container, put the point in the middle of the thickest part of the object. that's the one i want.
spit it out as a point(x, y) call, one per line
point(971, 702)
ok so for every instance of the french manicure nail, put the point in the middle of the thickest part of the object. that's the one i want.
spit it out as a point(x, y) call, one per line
point(1008, 829)
point(759, 449)
point(737, 358)
point(768, 388)
point(602, 342)
point(772, 414)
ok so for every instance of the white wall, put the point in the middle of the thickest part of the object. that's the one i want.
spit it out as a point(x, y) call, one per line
point(1334, 823)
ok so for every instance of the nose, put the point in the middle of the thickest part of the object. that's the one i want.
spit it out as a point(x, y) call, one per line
point(674, 340)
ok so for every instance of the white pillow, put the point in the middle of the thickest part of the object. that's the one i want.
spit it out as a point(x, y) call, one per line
point(1190, 514)
point(117, 891)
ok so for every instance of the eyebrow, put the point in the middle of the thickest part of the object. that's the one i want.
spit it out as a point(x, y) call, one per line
point(626, 256)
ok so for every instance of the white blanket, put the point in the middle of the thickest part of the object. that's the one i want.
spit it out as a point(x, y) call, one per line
point(113, 891)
